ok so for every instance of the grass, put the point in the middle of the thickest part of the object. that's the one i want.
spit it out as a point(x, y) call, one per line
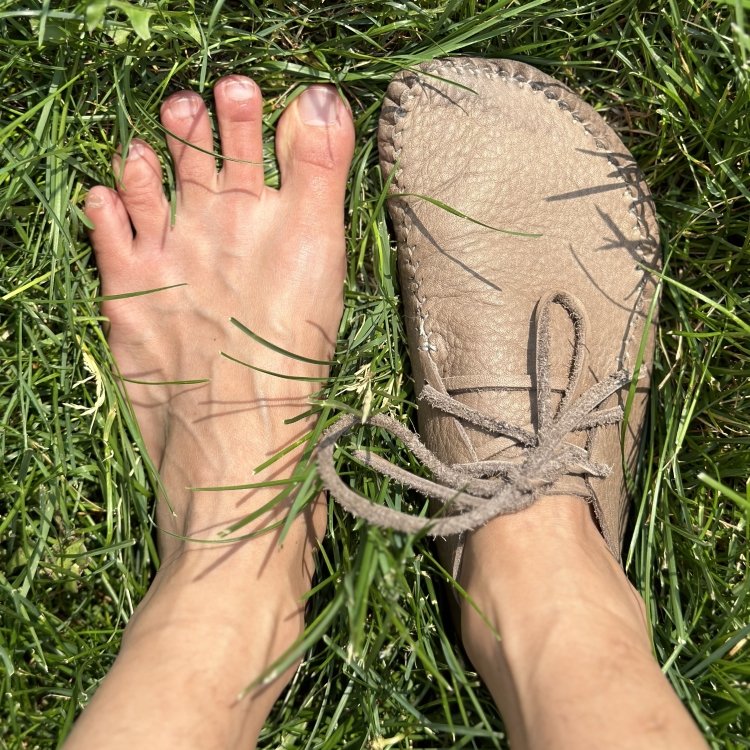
point(382, 668)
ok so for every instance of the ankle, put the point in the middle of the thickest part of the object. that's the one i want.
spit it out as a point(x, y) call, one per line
point(197, 652)
point(526, 633)
point(551, 548)
point(541, 573)
point(550, 526)
point(198, 596)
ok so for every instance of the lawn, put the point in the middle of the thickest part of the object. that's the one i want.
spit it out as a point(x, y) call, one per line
point(382, 667)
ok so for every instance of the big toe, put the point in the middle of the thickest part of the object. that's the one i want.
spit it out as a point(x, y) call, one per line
point(314, 146)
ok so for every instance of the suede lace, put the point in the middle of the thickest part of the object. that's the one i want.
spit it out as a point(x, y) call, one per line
point(472, 494)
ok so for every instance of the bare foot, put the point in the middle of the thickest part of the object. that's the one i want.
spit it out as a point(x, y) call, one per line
point(218, 615)
point(272, 259)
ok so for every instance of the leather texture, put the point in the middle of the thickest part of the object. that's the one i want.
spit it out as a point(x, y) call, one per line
point(512, 149)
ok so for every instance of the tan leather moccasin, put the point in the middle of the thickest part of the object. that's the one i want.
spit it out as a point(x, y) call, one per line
point(527, 243)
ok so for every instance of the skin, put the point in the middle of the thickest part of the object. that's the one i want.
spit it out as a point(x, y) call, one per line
point(574, 649)
point(574, 668)
point(275, 261)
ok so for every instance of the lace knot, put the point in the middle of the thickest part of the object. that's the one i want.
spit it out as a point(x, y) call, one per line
point(472, 494)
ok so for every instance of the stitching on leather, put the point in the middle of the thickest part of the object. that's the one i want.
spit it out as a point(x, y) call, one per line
point(398, 126)
point(631, 194)
point(415, 283)
point(497, 71)
point(416, 288)
point(536, 86)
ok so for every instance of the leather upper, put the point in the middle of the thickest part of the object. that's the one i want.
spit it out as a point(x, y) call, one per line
point(482, 148)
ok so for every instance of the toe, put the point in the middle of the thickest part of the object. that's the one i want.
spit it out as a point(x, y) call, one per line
point(139, 184)
point(112, 235)
point(239, 108)
point(314, 144)
point(191, 144)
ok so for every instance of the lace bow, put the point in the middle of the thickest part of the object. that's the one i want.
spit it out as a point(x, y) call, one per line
point(472, 494)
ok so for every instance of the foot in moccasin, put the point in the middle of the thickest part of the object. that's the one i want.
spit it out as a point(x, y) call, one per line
point(529, 312)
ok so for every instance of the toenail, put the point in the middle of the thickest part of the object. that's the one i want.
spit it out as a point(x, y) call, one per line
point(239, 89)
point(136, 150)
point(95, 200)
point(319, 105)
point(183, 106)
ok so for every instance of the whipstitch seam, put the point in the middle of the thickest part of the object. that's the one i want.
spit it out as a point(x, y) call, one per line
point(535, 86)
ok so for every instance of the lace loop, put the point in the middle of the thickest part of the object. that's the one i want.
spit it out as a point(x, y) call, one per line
point(472, 494)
